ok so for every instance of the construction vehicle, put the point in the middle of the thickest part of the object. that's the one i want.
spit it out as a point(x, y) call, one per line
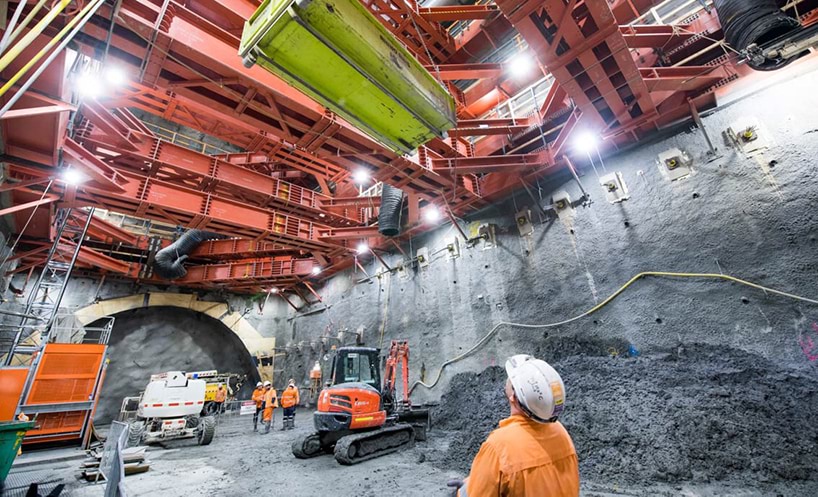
point(358, 418)
point(172, 408)
point(213, 380)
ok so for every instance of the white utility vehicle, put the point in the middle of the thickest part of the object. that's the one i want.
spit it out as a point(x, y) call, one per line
point(171, 408)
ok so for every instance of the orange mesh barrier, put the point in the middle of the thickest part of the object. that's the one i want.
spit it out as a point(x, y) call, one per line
point(11, 385)
point(68, 373)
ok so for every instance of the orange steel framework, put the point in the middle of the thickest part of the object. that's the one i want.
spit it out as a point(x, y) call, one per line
point(288, 198)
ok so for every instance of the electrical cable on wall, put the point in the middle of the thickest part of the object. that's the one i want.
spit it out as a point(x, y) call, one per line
point(480, 343)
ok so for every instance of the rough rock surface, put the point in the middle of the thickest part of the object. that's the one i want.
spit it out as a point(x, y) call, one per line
point(697, 413)
point(157, 339)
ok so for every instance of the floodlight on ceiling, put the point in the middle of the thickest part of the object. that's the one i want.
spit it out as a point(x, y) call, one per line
point(88, 85)
point(521, 65)
point(586, 142)
point(273, 290)
point(115, 76)
point(73, 177)
point(316, 270)
point(361, 176)
point(431, 214)
point(363, 248)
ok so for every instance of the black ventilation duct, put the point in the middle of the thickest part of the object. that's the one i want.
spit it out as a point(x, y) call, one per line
point(168, 262)
point(754, 22)
point(389, 214)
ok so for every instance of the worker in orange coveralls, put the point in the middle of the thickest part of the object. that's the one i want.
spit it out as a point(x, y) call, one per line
point(221, 396)
point(289, 399)
point(258, 398)
point(530, 454)
point(270, 403)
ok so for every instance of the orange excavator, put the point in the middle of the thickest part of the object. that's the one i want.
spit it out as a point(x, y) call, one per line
point(360, 418)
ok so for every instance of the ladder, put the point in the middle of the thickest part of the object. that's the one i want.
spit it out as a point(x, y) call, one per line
point(43, 303)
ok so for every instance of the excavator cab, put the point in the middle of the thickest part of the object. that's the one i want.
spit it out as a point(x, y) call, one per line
point(357, 365)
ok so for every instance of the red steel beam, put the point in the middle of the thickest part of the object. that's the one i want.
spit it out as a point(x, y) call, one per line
point(493, 164)
point(175, 163)
point(100, 172)
point(38, 111)
point(262, 269)
point(106, 232)
point(340, 234)
point(236, 247)
point(458, 12)
point(655, 35)
point(48, 199)
point(452, 72)
point(155, 199)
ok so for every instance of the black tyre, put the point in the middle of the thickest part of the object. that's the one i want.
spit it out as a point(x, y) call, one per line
point(207, 428)
point(191, 421)
point(136, 430)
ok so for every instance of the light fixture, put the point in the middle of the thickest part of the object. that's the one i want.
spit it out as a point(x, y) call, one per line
point(73, 177)
point(362, 248)
point(521, 65)
point(88, 85)
point(316, 270)
point(431, 214)
point(585, 142)
point(273, 290)
point(360, 176)
point(116, 76)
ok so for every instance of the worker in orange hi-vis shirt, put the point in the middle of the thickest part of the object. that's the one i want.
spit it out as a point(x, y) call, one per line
point(270, 403)
point(289, 399)
point(221, 396)
point(258, 398)
point(530, 454)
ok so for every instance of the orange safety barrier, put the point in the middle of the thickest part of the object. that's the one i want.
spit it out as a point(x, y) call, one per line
point(11, 386)
point(68, 373)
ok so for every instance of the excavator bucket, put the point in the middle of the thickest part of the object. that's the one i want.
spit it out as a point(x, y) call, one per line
point(419, 418)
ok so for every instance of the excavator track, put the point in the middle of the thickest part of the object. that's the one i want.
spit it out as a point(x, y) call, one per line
point(359, 447)
point(307, 446)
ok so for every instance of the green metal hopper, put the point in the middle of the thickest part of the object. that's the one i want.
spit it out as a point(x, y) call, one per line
point(11, 436)
point(336, 52)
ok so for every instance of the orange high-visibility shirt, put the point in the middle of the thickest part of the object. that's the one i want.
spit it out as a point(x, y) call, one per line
point(524, 458)
point(221, 395)
point(258, 396)
point(289, 397)
point(270, 398)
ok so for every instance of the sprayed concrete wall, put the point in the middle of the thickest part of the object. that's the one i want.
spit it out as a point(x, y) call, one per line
point(754, 218)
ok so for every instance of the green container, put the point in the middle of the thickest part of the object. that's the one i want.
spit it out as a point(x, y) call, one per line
point(336, 52)
point(11, 436)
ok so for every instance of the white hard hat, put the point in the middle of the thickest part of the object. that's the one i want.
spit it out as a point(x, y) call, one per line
point(537, 386)
point(267, 383)
point(258, 384)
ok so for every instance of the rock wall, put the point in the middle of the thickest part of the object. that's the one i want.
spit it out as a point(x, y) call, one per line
point(753, 218)
point(157, 339)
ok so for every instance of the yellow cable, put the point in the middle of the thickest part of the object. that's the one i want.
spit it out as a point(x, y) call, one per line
point(599, 306)
point(38, 28)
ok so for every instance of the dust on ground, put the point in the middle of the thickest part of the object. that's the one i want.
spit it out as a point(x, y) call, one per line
point(697, 415)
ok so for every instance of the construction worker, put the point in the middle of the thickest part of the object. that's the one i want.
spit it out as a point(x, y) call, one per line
point(530, 454)
point(258, 398)
point(221, 396)
point(21, 417)
point(270, 403)
point(289, 400)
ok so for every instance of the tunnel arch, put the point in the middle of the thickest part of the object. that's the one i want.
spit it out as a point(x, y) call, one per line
point(162, 332)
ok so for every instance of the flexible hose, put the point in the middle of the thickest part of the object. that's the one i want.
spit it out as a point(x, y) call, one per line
point(748, 22)
point(599, 306)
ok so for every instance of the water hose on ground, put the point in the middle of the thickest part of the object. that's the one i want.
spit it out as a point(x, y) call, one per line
point(597, 307)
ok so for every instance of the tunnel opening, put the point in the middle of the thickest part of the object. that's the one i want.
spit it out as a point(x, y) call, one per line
point(152, 340)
